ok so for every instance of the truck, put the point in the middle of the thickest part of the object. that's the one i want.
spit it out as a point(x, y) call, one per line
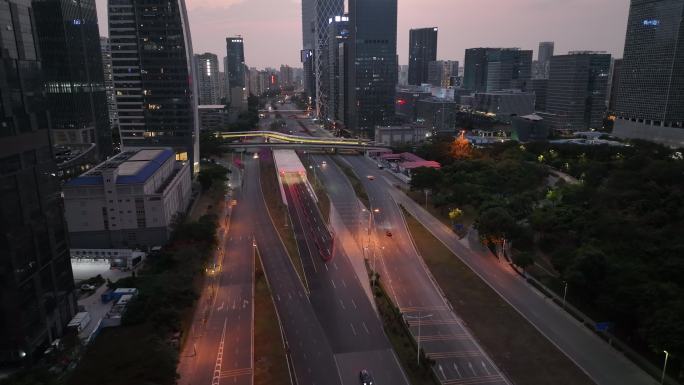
point(79, 322)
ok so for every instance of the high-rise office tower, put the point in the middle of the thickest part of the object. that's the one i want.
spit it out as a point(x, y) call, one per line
point(372, 64)
point(109, 85)
point(442, 73)
point(207, 76)
point(153, 76)
point(36, 283)
point(325, 9)
point(496, 69)
point(222, 87)
point(286, 75)
point(544, 55)
point(308, 43)
point(69, 41)
point(338, 36)
point(422, 50)
point(650, 97)
point(576, 93)
point(235, 66)
point(614, 83)
point(402, 77)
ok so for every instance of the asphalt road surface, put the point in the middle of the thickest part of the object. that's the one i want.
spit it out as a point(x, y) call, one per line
point(221, 338)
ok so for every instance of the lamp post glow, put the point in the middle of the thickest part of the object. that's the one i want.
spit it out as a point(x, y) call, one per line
point(662, 378)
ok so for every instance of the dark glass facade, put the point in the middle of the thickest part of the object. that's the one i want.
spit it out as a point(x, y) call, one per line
point(338, 37)
point(422, 51)
point(36, 283)
point(373, 64)
point(496, 69)
point(153, 76)
point(325, 10)
point(235, 62)
point(652, 74)
point(577, 87)
point(69, 42)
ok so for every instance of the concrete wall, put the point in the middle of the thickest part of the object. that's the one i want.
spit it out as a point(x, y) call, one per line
point(668, 136)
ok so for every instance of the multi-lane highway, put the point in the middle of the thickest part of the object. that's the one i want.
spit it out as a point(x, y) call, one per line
point(341, 305)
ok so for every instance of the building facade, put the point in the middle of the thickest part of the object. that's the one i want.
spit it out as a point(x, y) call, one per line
point(372, 63)
point(153, 76)
point(504, 104)
point(443, 73)
point(576, 96)
point(208, 78)
point(128, 201)
point(438, 115)
point(496, 69)
point(338, 38)
point(234, 65)
point(109, 88)
point(544, 55)
point(324, 11)
point(422, 51)
point(650, 97)
point(69, 41)
point(36, 282)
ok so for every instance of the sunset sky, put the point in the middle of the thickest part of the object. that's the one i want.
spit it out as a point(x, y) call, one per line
point(272, 28)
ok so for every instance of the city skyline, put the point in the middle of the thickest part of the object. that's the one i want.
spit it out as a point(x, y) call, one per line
point(566, 23)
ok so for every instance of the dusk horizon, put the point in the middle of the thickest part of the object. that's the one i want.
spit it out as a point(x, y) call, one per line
point(274, 38)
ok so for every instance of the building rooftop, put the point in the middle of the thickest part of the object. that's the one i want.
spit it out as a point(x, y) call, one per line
point(133, 167)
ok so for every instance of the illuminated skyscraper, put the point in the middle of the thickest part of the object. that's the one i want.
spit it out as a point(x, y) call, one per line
point(207, 68)
point(69, 41)
point(422, 51)
point(324, 11)
point(372, 62)
point(36, 282)
point(650, 95)
point(153, 76)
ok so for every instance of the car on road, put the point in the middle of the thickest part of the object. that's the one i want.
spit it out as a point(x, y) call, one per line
point(365, 377)
point(380, 166)
point(370, 177)
point(324, 163)
point(388, 233)
point(87, 287)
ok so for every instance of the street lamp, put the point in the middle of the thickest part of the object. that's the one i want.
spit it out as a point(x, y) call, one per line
point(662, 378)
point(565, 292)
point(419, 318)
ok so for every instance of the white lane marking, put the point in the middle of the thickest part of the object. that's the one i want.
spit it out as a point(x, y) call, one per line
point(220, 307)
point(457, 371)
point(365, 328)
point(326, 266)
point(485, 368)
point(342, 305)
point(344, 283)
point(277, 297)
point(333, 283)
point(471, 368)
point(335, 264)
point(352, 328)
point(354, 303)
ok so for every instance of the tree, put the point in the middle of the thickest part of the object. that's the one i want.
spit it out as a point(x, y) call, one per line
point(210, 144)
point(495, 224)
point(523, 260)
point(454, 214)
point(425, 178)
point(461, 148)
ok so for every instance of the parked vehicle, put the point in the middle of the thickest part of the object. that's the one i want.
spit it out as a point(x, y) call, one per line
point(79, 322)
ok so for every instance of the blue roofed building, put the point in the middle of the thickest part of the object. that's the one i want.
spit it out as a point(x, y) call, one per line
point(128, 201)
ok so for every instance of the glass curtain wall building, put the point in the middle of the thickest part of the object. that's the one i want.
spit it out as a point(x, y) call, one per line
point(324, 11)
point(650, 97)
point(36, 282)
point(153, 76)
point(69, 41)
point(207, 77)
point(422, 51)
point(372, 64)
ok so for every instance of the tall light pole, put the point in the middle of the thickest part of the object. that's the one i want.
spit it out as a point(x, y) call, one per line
point(565, 292)
point(662, 378)
point(419, 318)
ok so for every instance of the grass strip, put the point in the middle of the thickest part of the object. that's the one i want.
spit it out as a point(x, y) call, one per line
point(270, 362)
point(517, 348)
